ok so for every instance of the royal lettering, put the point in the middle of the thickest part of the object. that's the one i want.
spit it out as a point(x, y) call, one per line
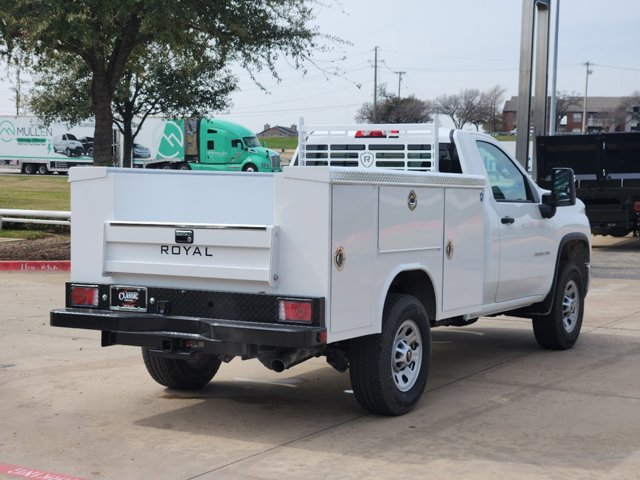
point(182, 250)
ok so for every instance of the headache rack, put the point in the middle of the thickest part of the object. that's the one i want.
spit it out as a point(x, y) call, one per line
point(390, 146)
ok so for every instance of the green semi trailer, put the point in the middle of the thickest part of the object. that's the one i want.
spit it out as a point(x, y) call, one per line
point(209, 144)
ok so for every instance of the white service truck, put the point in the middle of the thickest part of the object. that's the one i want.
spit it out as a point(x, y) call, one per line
point(376, 235)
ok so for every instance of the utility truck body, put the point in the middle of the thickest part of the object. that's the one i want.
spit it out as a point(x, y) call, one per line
point(355, 263)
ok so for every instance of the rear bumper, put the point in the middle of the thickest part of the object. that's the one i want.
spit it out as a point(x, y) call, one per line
point(173, 333)
point(171, 319)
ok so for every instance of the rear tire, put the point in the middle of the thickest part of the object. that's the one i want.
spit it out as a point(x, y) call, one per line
point(42, 169)
point(180, 374)
point(389, 370)
point(559, 330)
point(29, 168)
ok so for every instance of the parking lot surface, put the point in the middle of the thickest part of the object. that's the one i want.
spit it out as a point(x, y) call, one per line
point(496, 406)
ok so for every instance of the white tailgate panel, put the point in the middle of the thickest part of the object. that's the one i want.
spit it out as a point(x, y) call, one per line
point(218, 251)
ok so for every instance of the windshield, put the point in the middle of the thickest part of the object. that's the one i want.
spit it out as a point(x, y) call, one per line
point(251, 141)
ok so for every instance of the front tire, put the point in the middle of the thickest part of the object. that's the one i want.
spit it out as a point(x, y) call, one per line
point(559, 330)
point(180, 374)
point(250, 168)
point(389, 370)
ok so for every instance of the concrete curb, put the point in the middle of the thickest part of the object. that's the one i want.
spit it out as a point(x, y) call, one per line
point(35, 266)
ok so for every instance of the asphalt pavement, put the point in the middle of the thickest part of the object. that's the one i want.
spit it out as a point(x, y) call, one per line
point(496, 407)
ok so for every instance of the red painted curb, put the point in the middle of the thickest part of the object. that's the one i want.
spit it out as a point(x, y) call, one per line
point(35, 266)
point(24, 472)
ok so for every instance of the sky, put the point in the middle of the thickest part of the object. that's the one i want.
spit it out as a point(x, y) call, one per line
point(443, 46)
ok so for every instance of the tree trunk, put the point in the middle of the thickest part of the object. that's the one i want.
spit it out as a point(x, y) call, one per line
point(103, 148)
point(127, 149)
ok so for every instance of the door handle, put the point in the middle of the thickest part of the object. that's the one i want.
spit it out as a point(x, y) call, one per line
point(507, 220)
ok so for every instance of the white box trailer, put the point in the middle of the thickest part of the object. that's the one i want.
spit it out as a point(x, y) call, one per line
point(352, 263)
point(30, 145)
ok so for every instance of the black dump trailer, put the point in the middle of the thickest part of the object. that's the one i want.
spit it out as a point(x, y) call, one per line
point(607, 168)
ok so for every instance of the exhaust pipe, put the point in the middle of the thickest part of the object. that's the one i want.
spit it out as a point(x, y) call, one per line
point(281, 361)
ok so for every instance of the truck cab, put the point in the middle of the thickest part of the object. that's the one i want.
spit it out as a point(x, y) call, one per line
point(211, 144)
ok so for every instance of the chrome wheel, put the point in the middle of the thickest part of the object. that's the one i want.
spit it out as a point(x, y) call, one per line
point(389, 370)
point(570, 307)
point(406, 356)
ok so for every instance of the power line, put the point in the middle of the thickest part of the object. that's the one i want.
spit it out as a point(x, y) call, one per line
point(324, 107)
point(632, 69)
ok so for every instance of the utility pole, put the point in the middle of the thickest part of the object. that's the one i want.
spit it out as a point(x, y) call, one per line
point(375, 85)
point(584, 103)
point(399, 80)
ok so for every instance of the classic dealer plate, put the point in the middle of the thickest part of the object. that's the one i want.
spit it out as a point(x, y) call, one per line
point(133, 299)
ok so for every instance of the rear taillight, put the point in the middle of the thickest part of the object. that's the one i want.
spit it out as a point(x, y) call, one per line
point(371, 134)
point(636, 206)
point(84, 296)
point(295, 311)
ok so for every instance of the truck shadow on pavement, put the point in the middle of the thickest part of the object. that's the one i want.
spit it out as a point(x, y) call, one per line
point(493, 395)
point(323, 394)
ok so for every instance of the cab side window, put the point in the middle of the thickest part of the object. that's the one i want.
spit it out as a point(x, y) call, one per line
point(508, 183)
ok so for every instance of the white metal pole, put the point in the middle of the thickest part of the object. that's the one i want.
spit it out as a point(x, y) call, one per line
point(554, 78)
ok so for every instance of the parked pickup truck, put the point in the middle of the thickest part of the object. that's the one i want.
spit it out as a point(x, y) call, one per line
point(354, 254)
point(607, 168)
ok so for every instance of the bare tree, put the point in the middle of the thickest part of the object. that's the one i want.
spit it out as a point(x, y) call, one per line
point(17, 66)
point(393, 109)
point(461, 108)
point(491, 101)
point(610, 118)
point(564, 101)
point(629, 110)
point(449, 105)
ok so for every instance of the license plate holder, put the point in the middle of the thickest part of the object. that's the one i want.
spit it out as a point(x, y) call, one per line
point(127, 298)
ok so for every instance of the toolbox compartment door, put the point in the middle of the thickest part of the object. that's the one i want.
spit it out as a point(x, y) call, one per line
point(232, 252)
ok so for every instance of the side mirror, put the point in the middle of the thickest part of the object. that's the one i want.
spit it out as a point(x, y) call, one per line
point(563, 192)
point(563, 187)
